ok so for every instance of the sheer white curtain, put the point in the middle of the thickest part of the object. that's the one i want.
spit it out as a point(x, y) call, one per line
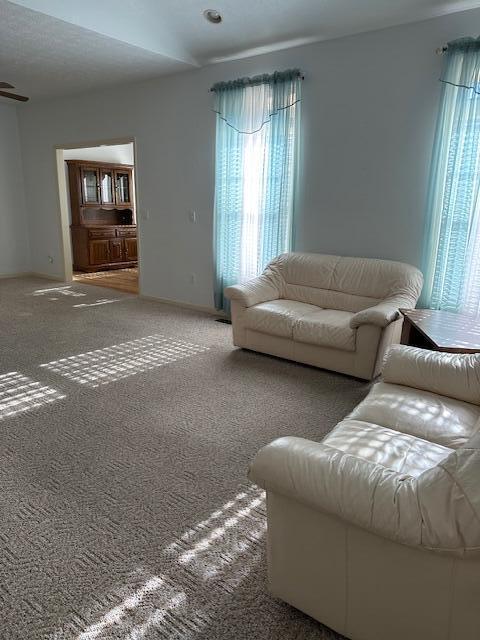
point(255, 168)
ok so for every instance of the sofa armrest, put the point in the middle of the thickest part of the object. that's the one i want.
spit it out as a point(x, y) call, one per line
point(255, 291)
point(353, 489)
point(448, 374)
point(381, 314)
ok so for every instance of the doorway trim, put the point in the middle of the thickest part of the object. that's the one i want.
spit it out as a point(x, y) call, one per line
point(63, 209)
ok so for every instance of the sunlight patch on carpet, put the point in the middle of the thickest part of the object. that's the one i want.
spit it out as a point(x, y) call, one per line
point(18, 394)
point(97, 303)
point(103, 366)
point(118, 616)
point(183, 600)
point(60, 291)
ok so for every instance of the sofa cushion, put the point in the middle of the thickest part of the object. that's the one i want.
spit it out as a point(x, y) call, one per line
point(326, 328)
point(443, 420)
point(277, 317)
point(401, 452)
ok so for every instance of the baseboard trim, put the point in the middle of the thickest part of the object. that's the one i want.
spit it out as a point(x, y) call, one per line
point(45, 276)
point(185, 305)
point(20, 274)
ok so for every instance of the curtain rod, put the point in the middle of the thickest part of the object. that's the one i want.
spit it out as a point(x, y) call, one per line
point(302, 77)
point(441, 50)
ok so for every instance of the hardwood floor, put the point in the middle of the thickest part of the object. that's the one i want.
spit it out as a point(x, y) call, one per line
point(122, 279)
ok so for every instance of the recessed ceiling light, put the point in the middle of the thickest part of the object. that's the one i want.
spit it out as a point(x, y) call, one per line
point(212, 16)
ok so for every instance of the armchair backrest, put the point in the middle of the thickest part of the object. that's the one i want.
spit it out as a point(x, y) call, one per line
point(347, 284)
point(456, 375)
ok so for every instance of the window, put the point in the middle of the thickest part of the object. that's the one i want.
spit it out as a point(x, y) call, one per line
point(452, 243)
point(256, 155)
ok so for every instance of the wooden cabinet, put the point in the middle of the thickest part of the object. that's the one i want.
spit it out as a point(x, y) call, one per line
point(98, 252)
point(123, 189)
point(116, 250)
point(104, 231)
point(107, 191)
point(131, 249)
point(90, 193)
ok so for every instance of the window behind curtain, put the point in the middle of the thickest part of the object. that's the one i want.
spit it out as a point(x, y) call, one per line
point(256, 156)
point(452, 238)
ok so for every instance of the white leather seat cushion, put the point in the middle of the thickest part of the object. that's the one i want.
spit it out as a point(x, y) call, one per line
point(401, 452)
point(302, 322)
point(277, 317)
point(327, 328)
point(439, 419)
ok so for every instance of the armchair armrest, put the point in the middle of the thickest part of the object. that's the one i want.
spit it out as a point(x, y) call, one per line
point(448, 374)
point(356, 490)
point(381, 314)
point(438, 510)
point(260, 289)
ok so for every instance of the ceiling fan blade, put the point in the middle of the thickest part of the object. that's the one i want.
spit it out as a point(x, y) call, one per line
point(6, 85)
point(13, 96)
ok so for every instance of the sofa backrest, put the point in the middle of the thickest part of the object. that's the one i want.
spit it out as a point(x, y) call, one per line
point(348, 284)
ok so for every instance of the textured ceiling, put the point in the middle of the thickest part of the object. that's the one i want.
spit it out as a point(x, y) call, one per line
point(42, 56)
point(66, 46)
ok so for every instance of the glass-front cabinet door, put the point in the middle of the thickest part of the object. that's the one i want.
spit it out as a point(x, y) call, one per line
point(90, 185)
point(123, 187)
point(106, 186)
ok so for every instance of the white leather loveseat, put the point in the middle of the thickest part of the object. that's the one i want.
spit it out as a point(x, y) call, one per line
point(328, 311)
point(376, 530)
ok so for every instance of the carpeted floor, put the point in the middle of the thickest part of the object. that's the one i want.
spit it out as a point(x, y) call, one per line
point(126, 428)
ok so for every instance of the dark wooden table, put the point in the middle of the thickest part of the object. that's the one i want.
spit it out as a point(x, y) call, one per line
point(441, 331)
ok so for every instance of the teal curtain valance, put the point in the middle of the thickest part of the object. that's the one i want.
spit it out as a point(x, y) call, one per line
point(272, 93)
point(264, 78)
point(462, 64)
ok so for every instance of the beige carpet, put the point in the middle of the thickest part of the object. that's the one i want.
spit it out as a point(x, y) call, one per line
point(126, 430)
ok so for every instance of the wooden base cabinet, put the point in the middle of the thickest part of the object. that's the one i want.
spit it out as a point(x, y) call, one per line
point(106, 247)
point(98, 252)
point(104, 233)
point(131, 252)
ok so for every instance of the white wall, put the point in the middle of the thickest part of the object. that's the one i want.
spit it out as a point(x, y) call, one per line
point(115, 153)
point(369, 109)
point(14, 250)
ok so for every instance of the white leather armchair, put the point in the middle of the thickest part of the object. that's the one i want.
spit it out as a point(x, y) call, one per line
point(328, 311)
point(376, 530)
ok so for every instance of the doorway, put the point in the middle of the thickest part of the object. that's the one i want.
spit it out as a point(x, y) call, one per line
point(98, 214)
